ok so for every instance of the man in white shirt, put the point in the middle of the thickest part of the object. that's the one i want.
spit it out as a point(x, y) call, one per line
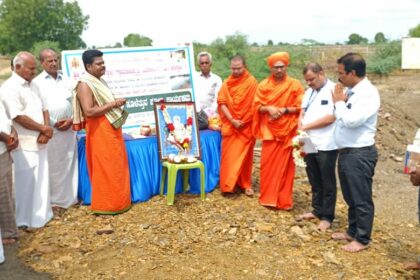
point(206, 86)
point(8, 141)
point(317, 120)
point(356, 111)
point(30, 119)
point(62, 148)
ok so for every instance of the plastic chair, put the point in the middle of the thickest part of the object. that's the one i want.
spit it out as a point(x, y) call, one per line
point(172, 170)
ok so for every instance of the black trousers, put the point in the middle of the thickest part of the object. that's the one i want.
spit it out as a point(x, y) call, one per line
point(320, 168)
point(356, 167)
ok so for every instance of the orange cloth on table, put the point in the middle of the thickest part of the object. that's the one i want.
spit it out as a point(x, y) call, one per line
point(107, 165)
point(277, 165)
point(237, 144)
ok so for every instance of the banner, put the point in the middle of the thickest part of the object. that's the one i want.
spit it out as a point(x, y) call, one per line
point(410, 53)
point(143, 76)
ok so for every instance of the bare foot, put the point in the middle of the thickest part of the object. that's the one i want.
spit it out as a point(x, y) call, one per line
point(412, 265)
point(324, 225)
point(7, 241)
point(249, 192)
point(341, 236)
point(307, 216)
point(354, 247)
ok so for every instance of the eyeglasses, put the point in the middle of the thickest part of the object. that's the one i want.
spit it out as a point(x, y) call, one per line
point(279, 67)
point(204, 62)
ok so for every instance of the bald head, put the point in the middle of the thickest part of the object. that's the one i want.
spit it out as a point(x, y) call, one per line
point(25, 65)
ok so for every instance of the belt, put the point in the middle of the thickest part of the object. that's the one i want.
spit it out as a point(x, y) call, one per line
point(355, 150)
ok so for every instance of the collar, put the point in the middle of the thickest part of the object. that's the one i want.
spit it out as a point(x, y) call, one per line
point(21, 81)
point(47, 76)
point(206, 77)
point(359, 85)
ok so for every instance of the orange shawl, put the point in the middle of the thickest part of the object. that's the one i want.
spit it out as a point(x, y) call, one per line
point(286, 93)
point(238, 94)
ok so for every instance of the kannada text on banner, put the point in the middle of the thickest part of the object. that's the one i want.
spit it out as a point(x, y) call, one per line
point(142, 76)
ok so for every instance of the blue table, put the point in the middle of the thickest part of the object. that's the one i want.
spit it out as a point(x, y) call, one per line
point(145, 167)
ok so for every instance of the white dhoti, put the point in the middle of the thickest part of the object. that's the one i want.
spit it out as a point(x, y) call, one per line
point(33, 208)
point(63, 168)
point(1, 250)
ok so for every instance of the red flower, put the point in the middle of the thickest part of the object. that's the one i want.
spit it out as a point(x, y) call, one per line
point(302, 154)
point(186, 140)
point(162, 107)
point(189, 121)
point(170, 126)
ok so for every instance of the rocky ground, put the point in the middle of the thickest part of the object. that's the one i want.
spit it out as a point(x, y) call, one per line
point(234, 237)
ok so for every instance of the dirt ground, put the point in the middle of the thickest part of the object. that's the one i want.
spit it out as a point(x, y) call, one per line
point(236, 238)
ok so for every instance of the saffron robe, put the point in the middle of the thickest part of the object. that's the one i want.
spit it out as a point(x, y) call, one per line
point(107, 164)
point(237, 93)
point(277, 164)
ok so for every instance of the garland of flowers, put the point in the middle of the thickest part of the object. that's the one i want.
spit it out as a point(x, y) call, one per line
point(180, 142)
point(298, 154)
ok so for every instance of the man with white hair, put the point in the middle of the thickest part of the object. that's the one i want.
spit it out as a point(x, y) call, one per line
point(31, 121)
point(206, 87)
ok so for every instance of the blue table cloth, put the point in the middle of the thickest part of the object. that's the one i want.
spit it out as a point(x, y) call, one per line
point(146, 169)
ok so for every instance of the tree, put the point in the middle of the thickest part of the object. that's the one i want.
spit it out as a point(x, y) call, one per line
point(380, 38)
point(270, 43)
point(355, 39)
point(415, 31)
point(25, 22)
point(137, 40)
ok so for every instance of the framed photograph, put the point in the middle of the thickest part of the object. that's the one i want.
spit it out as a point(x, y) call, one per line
point(177, 130)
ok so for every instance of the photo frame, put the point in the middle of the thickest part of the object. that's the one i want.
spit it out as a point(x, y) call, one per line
point(177, 129)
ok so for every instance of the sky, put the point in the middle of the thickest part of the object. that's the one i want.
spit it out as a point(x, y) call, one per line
point(169, 22)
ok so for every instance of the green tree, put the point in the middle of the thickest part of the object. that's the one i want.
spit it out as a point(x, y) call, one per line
point(415, 31)
point(137, 40)
point(25, 22)
point(270, 43)
point(380, 38)
point(355, 39)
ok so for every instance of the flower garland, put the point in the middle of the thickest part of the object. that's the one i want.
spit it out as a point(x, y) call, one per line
point(181, 140)
point(298, 154)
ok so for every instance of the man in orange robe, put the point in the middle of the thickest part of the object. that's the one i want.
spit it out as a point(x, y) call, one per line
point(276, 112)
point(235, 100)
point(106, 155)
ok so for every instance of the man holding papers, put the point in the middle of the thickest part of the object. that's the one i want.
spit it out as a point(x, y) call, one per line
point(317, 120)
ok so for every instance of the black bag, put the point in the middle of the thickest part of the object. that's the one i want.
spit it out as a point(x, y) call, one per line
point(203, 120)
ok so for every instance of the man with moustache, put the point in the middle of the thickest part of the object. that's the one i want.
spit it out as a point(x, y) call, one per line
point(96, 109)
point(356, 111)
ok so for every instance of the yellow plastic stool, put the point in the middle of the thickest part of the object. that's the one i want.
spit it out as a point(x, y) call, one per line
point(172, 169)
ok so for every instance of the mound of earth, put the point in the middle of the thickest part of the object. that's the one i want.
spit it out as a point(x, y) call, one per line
point(234, 237)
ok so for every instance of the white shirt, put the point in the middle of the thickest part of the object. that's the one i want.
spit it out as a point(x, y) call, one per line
point(317, 104)
point(357, 118)
point(205, 92)
point(22, 98)
point(5, 127)
point(56, 93)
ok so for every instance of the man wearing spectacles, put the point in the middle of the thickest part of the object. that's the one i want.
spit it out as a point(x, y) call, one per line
point(206, 87)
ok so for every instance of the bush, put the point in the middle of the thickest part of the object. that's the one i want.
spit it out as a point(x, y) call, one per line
point(387, 58)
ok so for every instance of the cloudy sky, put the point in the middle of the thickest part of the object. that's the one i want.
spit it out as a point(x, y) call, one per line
point(169, 22)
